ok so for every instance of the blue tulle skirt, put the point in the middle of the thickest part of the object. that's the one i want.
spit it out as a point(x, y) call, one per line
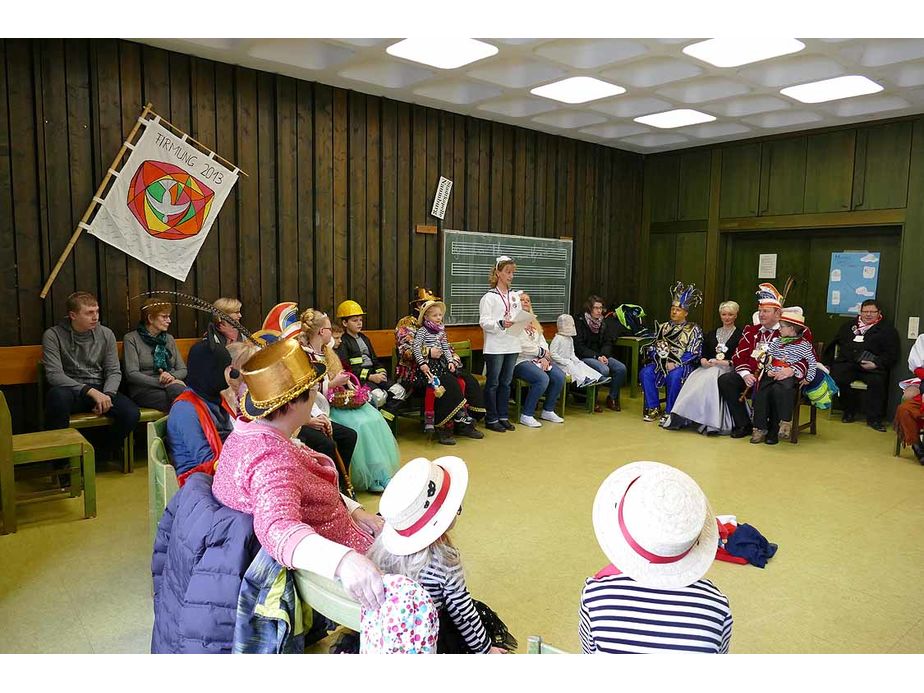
point(375, 459)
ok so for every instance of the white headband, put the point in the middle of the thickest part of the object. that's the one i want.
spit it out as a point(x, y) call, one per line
point(502, 258)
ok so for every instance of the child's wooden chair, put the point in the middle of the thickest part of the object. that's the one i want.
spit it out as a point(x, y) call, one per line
point(162, 484)
point(44, 446)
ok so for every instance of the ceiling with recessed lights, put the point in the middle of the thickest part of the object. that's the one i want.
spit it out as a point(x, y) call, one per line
point(657, 76)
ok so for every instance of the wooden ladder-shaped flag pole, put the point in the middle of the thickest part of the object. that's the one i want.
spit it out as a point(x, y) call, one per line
point(148, 110)
point(94, 203)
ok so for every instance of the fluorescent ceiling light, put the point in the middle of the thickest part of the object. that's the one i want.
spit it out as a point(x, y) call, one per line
point(444, 53)
point(831, 89)
point(676, 118)
point(731, 52)
point(578, 90)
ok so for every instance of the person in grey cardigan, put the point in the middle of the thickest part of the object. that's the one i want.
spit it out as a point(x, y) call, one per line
point(82, 368)
point(154, 369)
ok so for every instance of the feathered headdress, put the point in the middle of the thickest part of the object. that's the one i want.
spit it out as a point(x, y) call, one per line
point(686, 297)
point(280, 323)
point(196, 303)
point(769, 295)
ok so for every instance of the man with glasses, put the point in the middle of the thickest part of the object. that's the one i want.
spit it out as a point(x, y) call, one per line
point(866, 349)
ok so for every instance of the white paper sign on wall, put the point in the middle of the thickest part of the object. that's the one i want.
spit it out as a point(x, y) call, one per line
point(442, 198)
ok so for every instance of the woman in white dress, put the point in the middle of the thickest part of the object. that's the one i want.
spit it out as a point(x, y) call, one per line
point(699, 403)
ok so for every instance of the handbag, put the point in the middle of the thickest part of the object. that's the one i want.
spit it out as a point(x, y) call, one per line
point(344, 397)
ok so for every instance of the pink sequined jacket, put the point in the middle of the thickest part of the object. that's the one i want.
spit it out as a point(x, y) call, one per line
point(290, 490)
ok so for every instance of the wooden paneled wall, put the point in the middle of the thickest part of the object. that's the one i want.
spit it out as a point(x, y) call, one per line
point(337, 182)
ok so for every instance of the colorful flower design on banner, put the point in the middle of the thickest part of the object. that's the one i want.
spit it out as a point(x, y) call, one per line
point(169, 202)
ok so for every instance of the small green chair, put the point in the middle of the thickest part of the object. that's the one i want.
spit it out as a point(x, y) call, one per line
point(536, 645)
point(44, 446)
point(328, 598)
point(162, 484)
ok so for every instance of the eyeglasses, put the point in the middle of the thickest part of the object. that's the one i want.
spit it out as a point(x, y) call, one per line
point(331, 329)
point(869, 312)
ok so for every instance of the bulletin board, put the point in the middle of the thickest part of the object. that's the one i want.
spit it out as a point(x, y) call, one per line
point(852, 279)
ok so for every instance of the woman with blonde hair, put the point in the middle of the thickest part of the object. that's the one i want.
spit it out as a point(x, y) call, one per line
point(373, 452)
point(232, 307)
point(699, 403)
point(496, 311)
point(535, 367)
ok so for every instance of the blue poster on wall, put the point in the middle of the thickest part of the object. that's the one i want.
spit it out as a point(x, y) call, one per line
point(852, 280)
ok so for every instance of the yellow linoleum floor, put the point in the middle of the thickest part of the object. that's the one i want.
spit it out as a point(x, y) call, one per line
point(847, 515)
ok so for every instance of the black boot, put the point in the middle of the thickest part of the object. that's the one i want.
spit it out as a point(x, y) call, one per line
point(445, 436)
point(918, 449)
point(742, 431)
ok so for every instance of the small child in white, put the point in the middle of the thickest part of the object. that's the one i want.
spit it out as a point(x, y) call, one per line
point(420, 506)
point(562, 350)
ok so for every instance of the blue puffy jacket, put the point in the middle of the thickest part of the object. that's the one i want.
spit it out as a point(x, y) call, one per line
point(201, 552)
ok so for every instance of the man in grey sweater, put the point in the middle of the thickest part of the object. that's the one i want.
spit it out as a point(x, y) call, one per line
point(82, 369)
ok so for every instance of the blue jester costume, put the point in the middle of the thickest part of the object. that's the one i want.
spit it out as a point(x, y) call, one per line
point(674, 354)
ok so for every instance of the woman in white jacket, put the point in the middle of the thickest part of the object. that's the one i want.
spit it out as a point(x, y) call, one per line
point(535, 366)
point(500, 351)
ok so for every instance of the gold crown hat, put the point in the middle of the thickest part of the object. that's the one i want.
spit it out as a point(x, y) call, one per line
point(421, 295)
point(275, 375)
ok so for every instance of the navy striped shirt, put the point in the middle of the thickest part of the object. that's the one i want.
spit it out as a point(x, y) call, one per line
point(446, 587)
point(620, 616)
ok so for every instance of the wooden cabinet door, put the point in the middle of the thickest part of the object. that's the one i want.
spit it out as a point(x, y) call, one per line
point(662, 178)
point(881, 169)
point(695, 170)
point(690, 266)
point(782, 176)
point(662, 255)
point(829, 171)
point(740, 181)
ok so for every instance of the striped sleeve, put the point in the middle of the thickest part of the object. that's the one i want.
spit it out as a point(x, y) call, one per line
point(587, 640)
point(726, 634)
point(419, 343)
point(454, 597)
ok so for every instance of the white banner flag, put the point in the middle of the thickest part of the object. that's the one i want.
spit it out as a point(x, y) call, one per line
point(163, 202)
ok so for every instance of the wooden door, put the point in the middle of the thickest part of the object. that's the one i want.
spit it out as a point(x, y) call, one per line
point(674, 257)
point(829, 171)
point(782, 177)
point(740, 181)
point(881, 168)
point(693, 202)
point(661, 178)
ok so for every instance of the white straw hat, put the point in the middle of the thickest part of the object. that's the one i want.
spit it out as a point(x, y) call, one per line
point(420, 502)
point(794, 316)
point(655, 524)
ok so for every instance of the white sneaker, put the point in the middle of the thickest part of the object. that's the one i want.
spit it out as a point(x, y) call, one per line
point(551, 416)
point(530, 421)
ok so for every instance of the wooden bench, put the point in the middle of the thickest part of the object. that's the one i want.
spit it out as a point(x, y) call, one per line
point(21, 365)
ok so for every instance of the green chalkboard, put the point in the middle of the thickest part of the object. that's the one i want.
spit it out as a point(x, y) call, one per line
point(543, 271)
